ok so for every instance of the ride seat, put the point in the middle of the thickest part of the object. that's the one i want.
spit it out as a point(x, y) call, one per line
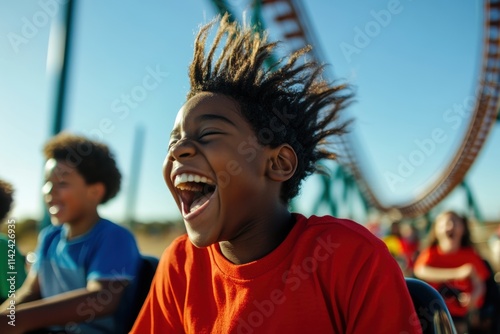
point(144, 279)
point(431, 309)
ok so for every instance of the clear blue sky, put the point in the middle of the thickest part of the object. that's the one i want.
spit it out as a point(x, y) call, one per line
point(411, 71)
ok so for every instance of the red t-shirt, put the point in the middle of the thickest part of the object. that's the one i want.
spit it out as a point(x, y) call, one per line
point(328, 276)
point(433, 257)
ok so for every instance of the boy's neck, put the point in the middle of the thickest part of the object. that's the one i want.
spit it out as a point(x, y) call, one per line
point(265, 237)
point(82, 226)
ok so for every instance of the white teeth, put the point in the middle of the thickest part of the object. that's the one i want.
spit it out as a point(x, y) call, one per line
point(183, 178)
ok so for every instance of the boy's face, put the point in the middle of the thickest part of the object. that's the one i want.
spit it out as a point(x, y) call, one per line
point(67, 196)
point(216, 170)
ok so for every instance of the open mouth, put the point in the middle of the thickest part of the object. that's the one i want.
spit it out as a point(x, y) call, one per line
point(194, 191)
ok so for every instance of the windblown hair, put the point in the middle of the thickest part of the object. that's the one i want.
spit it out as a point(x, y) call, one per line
point(284, 103)
point(93, 160)
point(6, 198)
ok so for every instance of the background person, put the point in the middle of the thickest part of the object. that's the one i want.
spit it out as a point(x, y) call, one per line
point(452, 266)
point(84, 262)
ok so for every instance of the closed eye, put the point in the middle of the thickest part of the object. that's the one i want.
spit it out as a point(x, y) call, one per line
point(61, 184)
point(171, 144)
point(206, 135)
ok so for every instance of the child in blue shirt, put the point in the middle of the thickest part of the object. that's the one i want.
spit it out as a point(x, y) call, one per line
point(85, 263)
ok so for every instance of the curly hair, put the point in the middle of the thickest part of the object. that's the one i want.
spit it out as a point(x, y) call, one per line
point(6, 198)
point(284, 103)
point(93, 160)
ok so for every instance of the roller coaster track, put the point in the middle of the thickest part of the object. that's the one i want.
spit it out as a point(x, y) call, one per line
point(297, 31)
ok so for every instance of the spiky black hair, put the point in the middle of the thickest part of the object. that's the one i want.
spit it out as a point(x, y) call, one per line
point(285, 103)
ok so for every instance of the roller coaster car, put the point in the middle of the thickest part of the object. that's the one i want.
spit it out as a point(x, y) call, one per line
point(430, 307)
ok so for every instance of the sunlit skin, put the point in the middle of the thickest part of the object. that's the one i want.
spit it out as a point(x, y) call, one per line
point(242, 210)
point(69, 198)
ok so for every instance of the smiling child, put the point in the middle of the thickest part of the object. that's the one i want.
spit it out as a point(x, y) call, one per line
point(80, 280)
point(239, 149)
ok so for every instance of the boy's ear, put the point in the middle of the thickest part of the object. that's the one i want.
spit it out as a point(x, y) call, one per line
point(97, 191)
point(282, 164)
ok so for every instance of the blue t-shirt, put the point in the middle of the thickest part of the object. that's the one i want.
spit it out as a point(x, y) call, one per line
point(106, 252)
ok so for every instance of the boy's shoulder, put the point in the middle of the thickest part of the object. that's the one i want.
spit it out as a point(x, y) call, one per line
point(339, 228)
point(104, 227)
point(106, 230)
point(342, 238)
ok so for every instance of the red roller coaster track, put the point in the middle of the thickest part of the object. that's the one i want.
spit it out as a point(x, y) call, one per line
point(484, 116)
